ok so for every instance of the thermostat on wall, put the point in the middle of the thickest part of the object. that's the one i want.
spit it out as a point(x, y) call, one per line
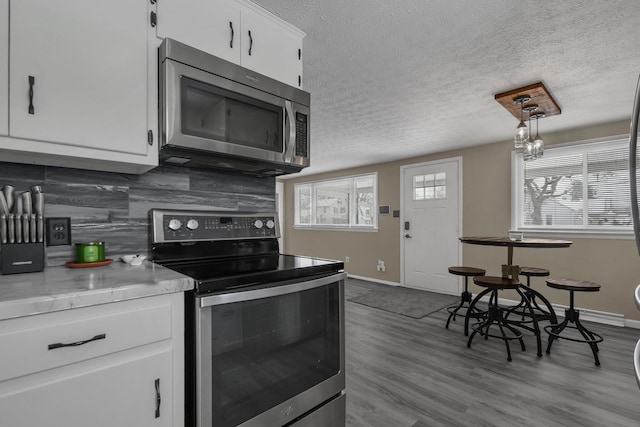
point(384, 210)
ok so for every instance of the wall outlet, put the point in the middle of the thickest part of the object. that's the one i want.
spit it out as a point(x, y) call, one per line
point(380, 266)
point(346, 259)
point(58, 231)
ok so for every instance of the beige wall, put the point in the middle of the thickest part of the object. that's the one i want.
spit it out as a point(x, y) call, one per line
point(613, 263)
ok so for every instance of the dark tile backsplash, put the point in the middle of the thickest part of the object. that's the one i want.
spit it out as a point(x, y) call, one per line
point(113, 207)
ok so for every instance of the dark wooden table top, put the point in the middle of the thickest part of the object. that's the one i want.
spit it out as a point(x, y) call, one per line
point(524, 243)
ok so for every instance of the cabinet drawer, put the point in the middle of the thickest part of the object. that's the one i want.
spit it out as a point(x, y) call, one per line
point(41, 342)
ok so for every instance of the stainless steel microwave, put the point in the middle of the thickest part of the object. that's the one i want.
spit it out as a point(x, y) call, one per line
point(216, 114)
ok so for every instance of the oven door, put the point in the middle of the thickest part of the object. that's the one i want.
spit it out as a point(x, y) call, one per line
point(266, 357)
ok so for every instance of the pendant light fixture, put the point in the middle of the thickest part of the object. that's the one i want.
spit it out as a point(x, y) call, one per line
point(538, 143)
point(528, 151)
point(521, 131)
point(534, 97)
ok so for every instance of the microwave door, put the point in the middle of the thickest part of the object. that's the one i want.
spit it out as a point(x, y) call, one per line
point(207, 113)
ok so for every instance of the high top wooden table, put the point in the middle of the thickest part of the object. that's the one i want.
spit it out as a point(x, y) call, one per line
point(510, 270)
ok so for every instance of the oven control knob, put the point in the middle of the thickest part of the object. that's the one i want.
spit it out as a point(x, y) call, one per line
point(270, 224)
point(175, 224)
point(192, 224)
point(258, 223)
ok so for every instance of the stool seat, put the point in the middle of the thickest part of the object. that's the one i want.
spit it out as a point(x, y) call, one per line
point(467, 271)
point(465, 297)
point(572, 316)
point(573, 285)
point(496, 282)
point(534, 271)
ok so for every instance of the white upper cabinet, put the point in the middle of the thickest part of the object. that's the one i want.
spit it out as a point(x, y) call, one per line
point(209, 25)
point(79, 72)
point(4, 67)
point(271, 47)
point(238, 31)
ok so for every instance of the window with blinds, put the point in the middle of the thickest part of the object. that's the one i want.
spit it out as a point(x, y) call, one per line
point(579, 188)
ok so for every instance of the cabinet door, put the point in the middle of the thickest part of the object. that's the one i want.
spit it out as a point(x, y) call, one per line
point(269, 48)
point(120, 392)
point(209, 25)
point(4, 67)
point(87, 61)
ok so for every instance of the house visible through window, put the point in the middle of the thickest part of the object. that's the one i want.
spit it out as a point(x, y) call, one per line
point(579, 188)
point(348, 203)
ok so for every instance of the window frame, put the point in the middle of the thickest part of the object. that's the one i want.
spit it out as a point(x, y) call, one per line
point(517, 193)
point(352, 226)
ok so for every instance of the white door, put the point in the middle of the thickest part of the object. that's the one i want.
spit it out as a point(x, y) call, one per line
point(431, 197)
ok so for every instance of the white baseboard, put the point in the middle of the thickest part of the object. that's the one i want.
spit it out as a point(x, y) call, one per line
point(614, 319)
point(369, 279)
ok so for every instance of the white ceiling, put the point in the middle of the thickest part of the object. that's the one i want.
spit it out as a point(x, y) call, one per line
point(392, 79)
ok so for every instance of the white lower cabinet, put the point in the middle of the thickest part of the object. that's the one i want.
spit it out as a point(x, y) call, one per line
point(118, 364)
point(99, 394)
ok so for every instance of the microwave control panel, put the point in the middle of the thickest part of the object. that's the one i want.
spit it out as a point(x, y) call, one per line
point(302, 146)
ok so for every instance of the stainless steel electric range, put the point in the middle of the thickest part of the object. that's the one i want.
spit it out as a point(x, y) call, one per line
point(264, 331)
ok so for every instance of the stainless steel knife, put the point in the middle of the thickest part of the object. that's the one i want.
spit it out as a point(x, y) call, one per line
point(26, 235)
point(40, 227)
point(3, 228)
point(33, 228)
point(11, 234)
point(18, 227)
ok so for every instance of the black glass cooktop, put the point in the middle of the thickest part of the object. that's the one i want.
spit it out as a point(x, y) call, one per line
point(220, 274)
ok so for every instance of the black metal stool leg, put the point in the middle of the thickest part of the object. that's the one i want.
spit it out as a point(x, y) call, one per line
point(465, 297)
point(589, 337)
point(470, 313)
point(536, 328)
point(556, 329)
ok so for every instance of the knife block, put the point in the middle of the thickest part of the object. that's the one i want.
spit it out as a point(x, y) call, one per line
point(21, 258)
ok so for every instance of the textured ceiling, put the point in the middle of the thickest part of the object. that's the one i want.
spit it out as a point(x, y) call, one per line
point(391, 79)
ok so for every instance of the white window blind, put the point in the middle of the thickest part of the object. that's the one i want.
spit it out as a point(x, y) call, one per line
point(580, 188)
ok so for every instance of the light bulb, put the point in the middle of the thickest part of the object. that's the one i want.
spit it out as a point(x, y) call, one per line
point(521, 135)
point(528, 153)
point(538, 146)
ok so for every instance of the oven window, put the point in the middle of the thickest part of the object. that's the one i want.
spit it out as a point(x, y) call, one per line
point(214, 113)
point(269, 350)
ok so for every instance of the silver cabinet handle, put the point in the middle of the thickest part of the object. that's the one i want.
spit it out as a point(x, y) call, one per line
point(77, 343)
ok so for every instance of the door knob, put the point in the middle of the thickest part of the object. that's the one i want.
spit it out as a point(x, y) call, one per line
point(407, 236)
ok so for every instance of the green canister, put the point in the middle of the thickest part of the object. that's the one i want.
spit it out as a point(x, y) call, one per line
point(90, 252)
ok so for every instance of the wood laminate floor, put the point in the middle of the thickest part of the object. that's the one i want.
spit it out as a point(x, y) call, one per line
point(403, 372)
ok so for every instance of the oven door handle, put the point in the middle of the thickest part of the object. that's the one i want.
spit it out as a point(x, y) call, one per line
point(241, 296)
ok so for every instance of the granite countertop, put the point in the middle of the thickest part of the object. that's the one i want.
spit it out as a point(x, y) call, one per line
point(63, 288)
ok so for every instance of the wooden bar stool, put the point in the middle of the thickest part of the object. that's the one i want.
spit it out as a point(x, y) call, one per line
point(572, 316)
point(466, 296)
point(495, 314)
point(540, 313)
